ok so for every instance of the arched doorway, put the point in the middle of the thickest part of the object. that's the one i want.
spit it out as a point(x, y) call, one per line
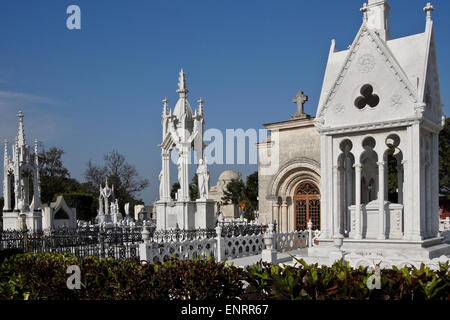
point(307, 206)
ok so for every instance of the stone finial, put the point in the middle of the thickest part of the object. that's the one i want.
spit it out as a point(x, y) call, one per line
point(165, 106)
point(6, 144)
point(300, 99)
point(200, 105)
point(364, 10)
point(21, 133)
point(182, 88)
point(428, 9)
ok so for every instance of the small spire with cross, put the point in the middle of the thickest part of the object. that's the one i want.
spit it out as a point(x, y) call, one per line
point(200, 106)
point(364, 10)
point(300, 99)
point(165, 106)
point(428, 9)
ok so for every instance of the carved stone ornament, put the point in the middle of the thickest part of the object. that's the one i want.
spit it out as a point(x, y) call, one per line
point(338, 108)
point(366, 63)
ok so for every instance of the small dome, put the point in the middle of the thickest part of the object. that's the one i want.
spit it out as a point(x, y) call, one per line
point(229, 175)
point(181, 108)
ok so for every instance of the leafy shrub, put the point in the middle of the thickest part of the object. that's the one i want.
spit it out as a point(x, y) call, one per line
point(314, 282)
point(43, 276)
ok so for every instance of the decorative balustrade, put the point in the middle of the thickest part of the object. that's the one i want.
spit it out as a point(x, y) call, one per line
point(444, 224)
point(243, 246)
point(286, 241)
point(153, 252)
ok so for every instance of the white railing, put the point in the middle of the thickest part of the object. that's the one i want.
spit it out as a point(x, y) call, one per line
point(444, 224)
point(222, 247)
point(243, 246)
point(286, 241)
point(184, 250)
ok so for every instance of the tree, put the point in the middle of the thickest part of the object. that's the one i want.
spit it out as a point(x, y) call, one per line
point(86, 204)
point(124, 176)
point(251, 195)
point(193, 189)
point(237, 192)
point(234, 192)
point(444, 160)
point(175, 187)
point(55, 178)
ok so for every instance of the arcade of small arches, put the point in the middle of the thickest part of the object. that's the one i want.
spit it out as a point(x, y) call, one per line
point(369, 186)
point(368, 189)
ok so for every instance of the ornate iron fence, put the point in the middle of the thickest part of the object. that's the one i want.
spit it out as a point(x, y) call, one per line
point(118, 243)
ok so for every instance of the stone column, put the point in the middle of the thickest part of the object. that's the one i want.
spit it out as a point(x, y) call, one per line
point(274, 211)
point(381, 213)
point(422, 195)
point(284, 214)
point(407, 214)
point(349, 193)
point(417, 191)
point(341, 197)
point(166, 175)
point(400, 181)
point(428, 203)
point(336, 211)
point(435, 183)
point(358, 231)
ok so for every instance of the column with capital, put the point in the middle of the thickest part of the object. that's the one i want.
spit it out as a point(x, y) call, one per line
point(349, 192)
point(284, 214)
point(381, 211)
point(275, 213)
point(428, 202)
point(336, 208)
point(358, 231)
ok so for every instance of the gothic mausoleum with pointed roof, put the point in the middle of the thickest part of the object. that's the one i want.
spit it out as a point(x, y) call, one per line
point(379, 116)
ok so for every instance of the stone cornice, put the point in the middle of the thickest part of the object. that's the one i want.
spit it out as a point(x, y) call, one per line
point(290, 124)
point(368, 126)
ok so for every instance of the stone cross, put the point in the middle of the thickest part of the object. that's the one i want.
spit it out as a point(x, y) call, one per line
point(428, 9)
point(364, 10)
point(300, 100)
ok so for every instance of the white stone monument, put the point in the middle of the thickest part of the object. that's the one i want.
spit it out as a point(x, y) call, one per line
point(108, 207)
point(183, 130)
point(19, 171)
point(380, 104)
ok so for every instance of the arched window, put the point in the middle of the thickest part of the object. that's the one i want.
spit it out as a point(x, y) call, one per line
point(307, 206)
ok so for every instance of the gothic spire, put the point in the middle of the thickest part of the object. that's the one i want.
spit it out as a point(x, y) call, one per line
point(182, 88)
point(21, 133)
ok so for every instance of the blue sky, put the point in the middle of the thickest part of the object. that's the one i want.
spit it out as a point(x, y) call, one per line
point(91, 90)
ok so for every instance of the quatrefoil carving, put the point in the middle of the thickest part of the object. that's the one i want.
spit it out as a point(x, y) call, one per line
point(367, 98)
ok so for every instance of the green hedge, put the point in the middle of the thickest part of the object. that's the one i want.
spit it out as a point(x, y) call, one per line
point(43, 276)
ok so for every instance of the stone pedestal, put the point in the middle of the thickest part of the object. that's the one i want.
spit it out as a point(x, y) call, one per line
point(187, 215)
point(370, 220)
point(204, 217)
point(270, 256)
point(34, 220)
point(393, 251)
point(10, 220)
